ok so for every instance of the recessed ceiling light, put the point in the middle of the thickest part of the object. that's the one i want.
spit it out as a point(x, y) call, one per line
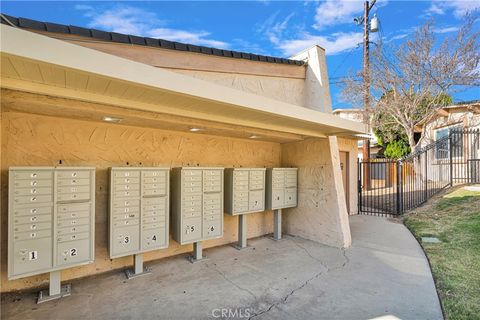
point(194, 129)
point(111, 119)
point(254, 137)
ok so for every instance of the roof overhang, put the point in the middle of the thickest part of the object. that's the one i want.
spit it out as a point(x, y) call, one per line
point(42, 65)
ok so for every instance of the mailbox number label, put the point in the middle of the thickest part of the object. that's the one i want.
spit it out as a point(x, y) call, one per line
point(33, 255)
point(73, 252)
point(126, 239)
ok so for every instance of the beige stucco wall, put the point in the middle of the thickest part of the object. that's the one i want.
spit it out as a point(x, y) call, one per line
point(29, 140)
point(321, 214)
point(350, 146)
point(289, 90)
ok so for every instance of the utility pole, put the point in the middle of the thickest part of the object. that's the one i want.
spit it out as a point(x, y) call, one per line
point(366, 74)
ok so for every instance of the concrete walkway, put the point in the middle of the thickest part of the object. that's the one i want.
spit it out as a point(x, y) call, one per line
point(384, 274)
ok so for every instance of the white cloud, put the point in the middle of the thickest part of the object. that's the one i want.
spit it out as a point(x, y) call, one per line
point(194, 37)
point(333, 12)
point(334, 44)
point(135, 21)
point(458, 7)
point(446, 29)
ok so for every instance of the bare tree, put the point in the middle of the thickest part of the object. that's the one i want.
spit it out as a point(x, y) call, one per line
point(410, 81)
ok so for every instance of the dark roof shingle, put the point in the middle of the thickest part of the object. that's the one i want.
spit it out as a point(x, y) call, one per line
point(137, 40)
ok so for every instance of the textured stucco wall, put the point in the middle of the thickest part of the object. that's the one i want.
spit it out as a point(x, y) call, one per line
point(284, 89)
point(321, 214)
point(350, 146)
point(317, 88)
point(29, 140)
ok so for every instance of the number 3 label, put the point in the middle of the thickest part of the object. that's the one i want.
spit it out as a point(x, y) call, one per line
point(126, 239)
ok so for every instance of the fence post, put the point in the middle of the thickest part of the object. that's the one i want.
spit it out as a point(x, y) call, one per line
point(359, 186)
point(426, 176)
point(450, 146)
point(398, 166)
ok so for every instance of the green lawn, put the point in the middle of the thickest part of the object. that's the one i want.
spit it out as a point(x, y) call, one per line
point(455, 220)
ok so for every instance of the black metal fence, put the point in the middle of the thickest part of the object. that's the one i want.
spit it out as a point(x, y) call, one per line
point(387, 187)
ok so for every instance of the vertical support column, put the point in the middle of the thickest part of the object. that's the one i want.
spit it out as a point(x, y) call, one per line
point(138, 269)
point(277, 224)
point(55, 283)
point(197, 254)
point(55, 289)
point(242, 232)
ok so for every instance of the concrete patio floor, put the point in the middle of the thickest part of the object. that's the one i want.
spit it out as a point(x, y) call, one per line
point(383, 274)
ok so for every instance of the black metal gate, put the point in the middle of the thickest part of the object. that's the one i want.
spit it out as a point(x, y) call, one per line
point(387, 187)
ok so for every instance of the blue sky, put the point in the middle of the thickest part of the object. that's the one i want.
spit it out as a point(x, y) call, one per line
point(278, 28)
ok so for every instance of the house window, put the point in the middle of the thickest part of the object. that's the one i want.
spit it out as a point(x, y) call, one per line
point(442, 150)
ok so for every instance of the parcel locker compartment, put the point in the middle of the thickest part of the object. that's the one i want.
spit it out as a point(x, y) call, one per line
point(32, 255)
point(127, 194)
point(73, 236)
point(256, 200)
point(240, 206)
point(32, 235)
point(192, 229)
point(126, 173)
point(37, 218)
point(74, 215)
point(126, 210)
point(33, 174)
point(73, 189)
point(64, 208)
point(76, 229)
point(32, 227)
point(278, 198)
point(240, 196)
point(73, 196)
point(77, 174)
point(73, 182)
point(126, 180)
point(291, 197)
point(126, 187)
point(33, 191)
point(72, 222)
point(73, 252)
point(154, 238)
point(38, 183)
point(126, 203)
point(33, 199)
point(32, 211)
point(212, 229)
point(125, 239)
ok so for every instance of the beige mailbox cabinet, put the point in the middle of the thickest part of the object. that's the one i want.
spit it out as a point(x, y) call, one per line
point(139, 210)
point(281, 188)
point(244, 190)
point(197, 204)
point(51, 219)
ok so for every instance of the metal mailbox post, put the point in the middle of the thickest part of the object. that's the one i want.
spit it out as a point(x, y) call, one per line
point(197, 206)
point(51, 223)
point(139, 213)
point(281, 192)
point(244, 194)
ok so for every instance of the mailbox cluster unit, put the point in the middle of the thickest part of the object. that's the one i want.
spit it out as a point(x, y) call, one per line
point(52, 211)
point(244, 190)
point(51, 219)
point(281, 188)
point(197, 204)
point(139, 210)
